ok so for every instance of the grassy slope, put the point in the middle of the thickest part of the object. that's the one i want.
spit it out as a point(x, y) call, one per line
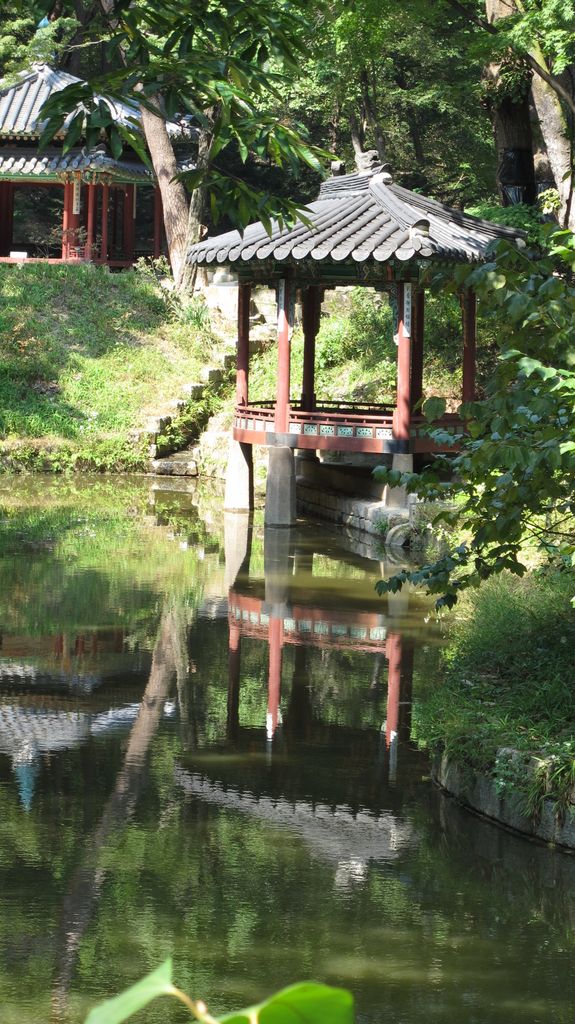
point(85, 357)
point(508, 684)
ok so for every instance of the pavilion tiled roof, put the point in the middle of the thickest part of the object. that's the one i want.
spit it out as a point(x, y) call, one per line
point(53, 165)
point(360, 217)
point(21, 104)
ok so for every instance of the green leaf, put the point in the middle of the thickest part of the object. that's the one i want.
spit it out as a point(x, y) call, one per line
point(118, 1009)
point(433, 409)
point(307, 1003)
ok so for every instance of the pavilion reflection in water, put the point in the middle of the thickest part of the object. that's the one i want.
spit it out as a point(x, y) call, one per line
point(290, 605)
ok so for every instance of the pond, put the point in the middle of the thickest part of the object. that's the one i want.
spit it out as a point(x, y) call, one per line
point(207, 750)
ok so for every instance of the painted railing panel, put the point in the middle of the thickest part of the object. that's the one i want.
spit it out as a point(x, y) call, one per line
point(336, 426)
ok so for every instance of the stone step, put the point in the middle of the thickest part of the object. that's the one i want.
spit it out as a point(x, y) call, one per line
point(180, 464)
point(212, 374)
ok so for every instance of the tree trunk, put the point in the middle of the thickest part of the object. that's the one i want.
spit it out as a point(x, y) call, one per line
point(168, 663)
point(357, 137)
point(555, 132)
point(371, 116)
point(193, 277)
point(174, 197)
point(512, 129)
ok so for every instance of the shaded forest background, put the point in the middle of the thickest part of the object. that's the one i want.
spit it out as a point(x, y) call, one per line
point(471, 102)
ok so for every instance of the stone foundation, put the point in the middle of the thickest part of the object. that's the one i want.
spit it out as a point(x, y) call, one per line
point(479, 792)
point(373, 517)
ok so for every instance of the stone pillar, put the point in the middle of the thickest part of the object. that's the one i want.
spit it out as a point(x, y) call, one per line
point(237, 546)
point(280, 488)
point(239, 494)
point(469, 315)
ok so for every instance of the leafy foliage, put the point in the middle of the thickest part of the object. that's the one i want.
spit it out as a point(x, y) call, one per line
point(306, 1003)
point(516, 466)
point(220, 64)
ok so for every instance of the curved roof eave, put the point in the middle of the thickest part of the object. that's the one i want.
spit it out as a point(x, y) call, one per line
point(358, 219)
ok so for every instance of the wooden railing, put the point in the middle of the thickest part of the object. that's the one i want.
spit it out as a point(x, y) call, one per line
point(333, 425)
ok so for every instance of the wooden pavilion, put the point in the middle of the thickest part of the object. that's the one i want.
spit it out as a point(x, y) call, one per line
point(93, 198)
point(363, 229)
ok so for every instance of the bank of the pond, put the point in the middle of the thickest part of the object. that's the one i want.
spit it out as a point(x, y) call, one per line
point(88, 359)
point(501, 723)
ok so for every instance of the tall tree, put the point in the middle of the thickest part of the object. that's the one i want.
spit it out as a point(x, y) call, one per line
point(220, 62)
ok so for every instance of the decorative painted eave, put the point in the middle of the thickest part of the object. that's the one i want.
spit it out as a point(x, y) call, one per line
point(360, 218)
point(91, 165)
point(21, 105)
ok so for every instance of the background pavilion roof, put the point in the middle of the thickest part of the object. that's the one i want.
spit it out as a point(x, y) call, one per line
point(21, 104)
point(361, 217)
point(52, 165)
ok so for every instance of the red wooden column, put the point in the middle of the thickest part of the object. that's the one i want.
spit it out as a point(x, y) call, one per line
point(158, 221)
point(311, 309)
point(105, 206)
point(393, 652)
point(234, 664)
point(469, 314)
point(275, 635)
point(418, 332)
point(90, 222)
point(283, 382)
point(402, 412)
point(74, 207)
point(6, 216)
point(243, 350)
point(129, 233)
point(66, 219)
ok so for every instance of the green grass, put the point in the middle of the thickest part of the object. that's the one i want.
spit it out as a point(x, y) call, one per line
point(509, 684)
point(85, 357)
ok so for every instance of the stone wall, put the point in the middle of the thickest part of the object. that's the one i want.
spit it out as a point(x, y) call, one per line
point(480, 793)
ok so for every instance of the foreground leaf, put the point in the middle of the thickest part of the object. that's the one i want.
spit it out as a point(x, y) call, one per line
point(118, 1009)
point(307, 1003)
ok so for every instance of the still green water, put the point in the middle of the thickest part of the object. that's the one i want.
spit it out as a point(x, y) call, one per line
point(206, 751)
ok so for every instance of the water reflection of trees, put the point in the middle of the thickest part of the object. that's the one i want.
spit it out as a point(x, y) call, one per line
point(245, 903)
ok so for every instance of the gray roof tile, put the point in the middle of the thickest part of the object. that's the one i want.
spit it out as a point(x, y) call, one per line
point(21, 104)
point(360, 217)
point(53, 165)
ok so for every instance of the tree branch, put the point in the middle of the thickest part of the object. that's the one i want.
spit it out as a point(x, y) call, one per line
point(534, 64)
